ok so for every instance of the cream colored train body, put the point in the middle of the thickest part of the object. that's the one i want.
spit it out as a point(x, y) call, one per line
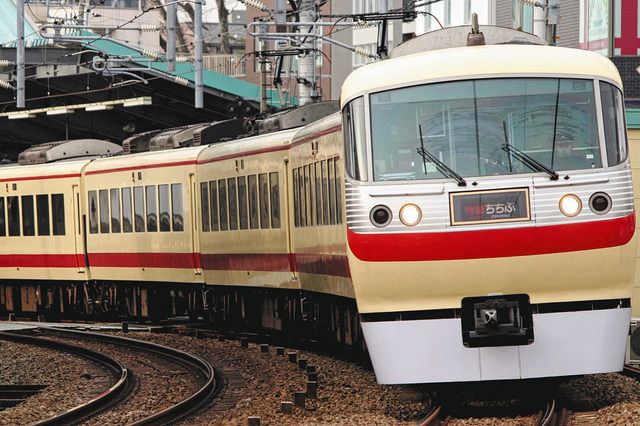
point(469, 214)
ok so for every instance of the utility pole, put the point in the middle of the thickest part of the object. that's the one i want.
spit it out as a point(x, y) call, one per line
point(20, 102)
point(307, 59)
point(197, 25)
point(172, 11)
point(263, 79)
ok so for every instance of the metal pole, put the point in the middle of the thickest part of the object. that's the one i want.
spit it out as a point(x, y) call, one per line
point(20, 54)
point(172, 10)
point(540, 21)
point(306, 61)
point(198, 33)
point(263, 76)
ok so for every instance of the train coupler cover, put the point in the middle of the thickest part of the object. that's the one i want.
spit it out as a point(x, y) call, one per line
point(504, 320)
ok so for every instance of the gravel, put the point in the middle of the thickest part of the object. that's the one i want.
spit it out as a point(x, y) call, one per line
point(71, 381)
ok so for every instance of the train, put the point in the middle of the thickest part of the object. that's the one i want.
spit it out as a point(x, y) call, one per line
point(466, 214)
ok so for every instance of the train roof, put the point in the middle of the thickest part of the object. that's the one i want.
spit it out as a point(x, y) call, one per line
point(246, 146)
point(14, 171)
point(146, 159)
point(476, 61)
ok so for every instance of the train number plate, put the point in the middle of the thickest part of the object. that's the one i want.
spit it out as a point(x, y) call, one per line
point(473, 207)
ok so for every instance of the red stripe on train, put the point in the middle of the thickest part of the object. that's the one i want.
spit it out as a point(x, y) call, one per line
point(323, 264)
point(41, 261)
point(145, 260)
point(493, 243)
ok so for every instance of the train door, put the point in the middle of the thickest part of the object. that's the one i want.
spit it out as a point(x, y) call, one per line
point(80, 242)
point(195, 237)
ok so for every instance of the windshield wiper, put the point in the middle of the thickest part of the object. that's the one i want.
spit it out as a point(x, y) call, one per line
point(529, 161)
point(443, 168)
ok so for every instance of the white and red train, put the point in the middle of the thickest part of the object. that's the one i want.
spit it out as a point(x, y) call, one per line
point(470, 211)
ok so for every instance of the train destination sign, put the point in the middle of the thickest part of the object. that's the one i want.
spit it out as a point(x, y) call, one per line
point(469, 208)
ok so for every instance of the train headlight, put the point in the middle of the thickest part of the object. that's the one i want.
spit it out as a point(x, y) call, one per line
point(410, 214)
point(380, 216)
point(600, 203)
point(570, 205)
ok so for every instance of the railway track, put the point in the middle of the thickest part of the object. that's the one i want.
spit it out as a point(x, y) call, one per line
point(120, 393)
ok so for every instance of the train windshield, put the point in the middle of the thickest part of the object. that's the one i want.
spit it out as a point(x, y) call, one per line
point(476, 127)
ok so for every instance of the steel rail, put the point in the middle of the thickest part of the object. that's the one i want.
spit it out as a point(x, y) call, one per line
point(202, 369)
point(116, 392)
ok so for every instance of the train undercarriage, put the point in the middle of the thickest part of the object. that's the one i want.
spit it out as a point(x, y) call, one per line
point(290, 313)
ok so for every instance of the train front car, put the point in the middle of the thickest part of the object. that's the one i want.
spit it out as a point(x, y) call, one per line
point(490, 215)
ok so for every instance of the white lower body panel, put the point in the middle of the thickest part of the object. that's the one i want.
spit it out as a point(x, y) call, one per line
point(565, 343)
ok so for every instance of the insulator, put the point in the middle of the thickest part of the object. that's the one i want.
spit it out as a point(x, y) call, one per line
point(256, 4)
point(362, 51)
point(5, 84)
point(150, 53)
point(149, 28)
point(5, 63)
point(181, 80)
point(362, 24)
point(183, 59)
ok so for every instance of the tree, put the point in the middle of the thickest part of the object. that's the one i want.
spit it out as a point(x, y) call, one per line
point(223, 19)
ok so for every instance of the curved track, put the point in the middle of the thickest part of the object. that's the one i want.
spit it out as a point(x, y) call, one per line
point(207, 376)
point(116, 393)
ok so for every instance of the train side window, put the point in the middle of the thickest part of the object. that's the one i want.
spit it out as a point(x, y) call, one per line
point(28, 226)
point(233, 203)
point(42, 214)
point(275, 200)
point(152, 208)
point(13, 213)
point(213, 190)
point(354, 139)
point(318, 192)
point(296, 200)
point(57, 214)
point(103, 196)
point(163, 202)
point(116, 220)
point(204, 203)
point(93, 212)
point(222, 203)
point(303, 198)
point(127, 223)
point(138, 207)
point(242, 202)
point(264, 200)
point(3, 224)
point(332, 191)
point(310, 195)
point(177, 218)
point(325, 193)
point(338, 192)
point(253, 201)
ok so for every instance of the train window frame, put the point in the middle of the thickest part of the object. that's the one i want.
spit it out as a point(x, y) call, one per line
point(325, 192)
point(127, 213)
point(104, 216)
point(116, 213)
point(296, 195)
point(151, 204)
point(354, 123)
point(177, 208)
point(13, 216)
point(318, 192)
point(263, 190)
point(338, 182)
point(618, 152)
point(303, 196)
point(274, 199)
point(232, 200)
point(28, 215)
point(92, 206)
point(254, 207)
point(213, 196)
point(164, 208)
point(204, 207)
point(243, 202)
point(332, 191)
point(43, 219)
point(57, 215)
point(3, 219)
point(139, 216)
point(223, 204)
point(312, 193)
